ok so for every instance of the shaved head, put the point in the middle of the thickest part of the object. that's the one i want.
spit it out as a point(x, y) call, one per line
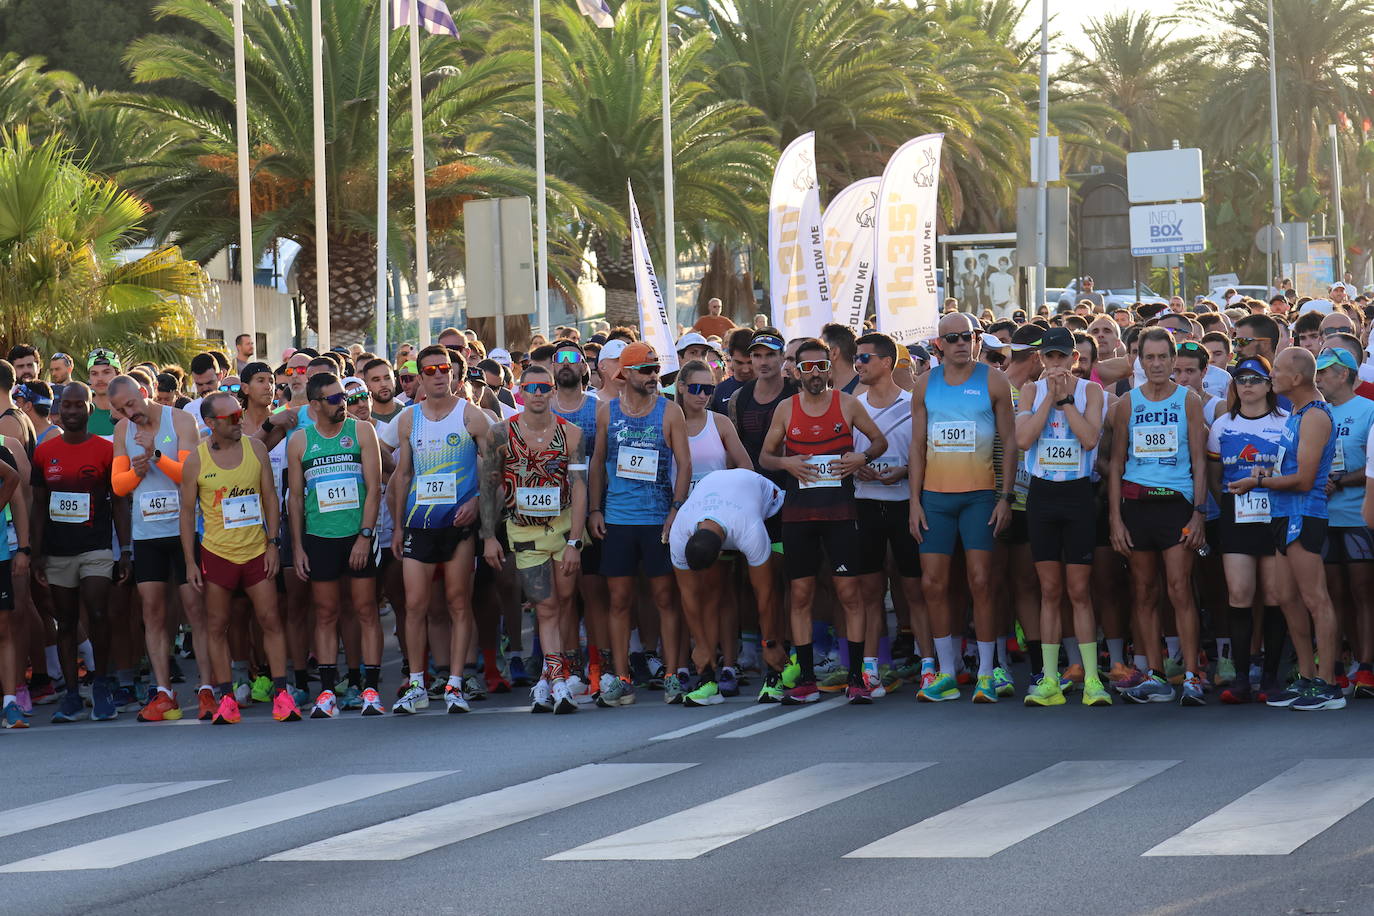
point(954, 322)
point(1300, 362)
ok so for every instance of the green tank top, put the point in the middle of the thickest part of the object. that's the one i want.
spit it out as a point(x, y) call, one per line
point(334, 486)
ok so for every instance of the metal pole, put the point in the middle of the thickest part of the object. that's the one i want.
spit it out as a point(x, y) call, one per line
point(321, 207)
point(417, 148)
point(1043, 166)
point(247, 263)
point(383, 155)
point(669, 222)
point(540, 205)
point(1274, 134)
point(1336, 200)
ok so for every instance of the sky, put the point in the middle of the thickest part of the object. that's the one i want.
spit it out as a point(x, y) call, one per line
point(1070, 16)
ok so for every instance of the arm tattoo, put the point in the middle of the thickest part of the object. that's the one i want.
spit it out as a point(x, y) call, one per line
point(490, 488)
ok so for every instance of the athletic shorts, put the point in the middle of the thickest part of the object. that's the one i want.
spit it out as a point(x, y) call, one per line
point(232, 576)
point(329, 558)
point(67, 572)
point(1104, 518)
point(159, 560)
point(1251, 539)
point(887, 523)
point(1057, 513)
point(535, 545)
point(1016, 531)
point(806, 546)
point(630, 549)
point(591, 556)
point(6, 587)
point(1156, 524)
point(1304, 529)
point(435, 545)
point(963, 514)
point(1348, 545)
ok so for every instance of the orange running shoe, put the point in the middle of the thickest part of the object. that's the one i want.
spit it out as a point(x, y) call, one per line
point(161, 707)
point(228, 711)
point(1120, 672)
point(1073, 673)
point(284, 708)
point(206, 698)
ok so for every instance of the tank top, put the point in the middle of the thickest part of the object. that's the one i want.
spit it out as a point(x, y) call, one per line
point(708, 451)
point(1057, 454)
point(231, 506)
point(444, 458)
point(753, 419)
point(960, 427)
point(1157, 454)
point(639, 490)
point(894, 421)
point(823, 440)
point(335, 489)
point(30, 438)
point(584, 418)
point(534, 480)
point(1308, 503)
point(156, 508)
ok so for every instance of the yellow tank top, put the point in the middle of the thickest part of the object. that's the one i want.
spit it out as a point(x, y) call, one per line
point(231, 506)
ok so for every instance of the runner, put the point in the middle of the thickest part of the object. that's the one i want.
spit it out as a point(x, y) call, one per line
point(14, 563)
point(381, 384)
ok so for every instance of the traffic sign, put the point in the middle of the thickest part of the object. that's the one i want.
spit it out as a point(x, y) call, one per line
point(1168, 229)
point(1166, 174)
point(1269, 239)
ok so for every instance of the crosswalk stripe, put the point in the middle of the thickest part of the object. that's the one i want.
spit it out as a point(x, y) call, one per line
point(699, 830)
point(787, 718)
point(1277, 817)
point(94, 801)
point(714, 722)
point(438, 827)
point(220, 823)
point(986, 825)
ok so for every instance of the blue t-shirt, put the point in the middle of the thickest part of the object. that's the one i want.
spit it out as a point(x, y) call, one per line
point(1351, 421)
point(1293, 504)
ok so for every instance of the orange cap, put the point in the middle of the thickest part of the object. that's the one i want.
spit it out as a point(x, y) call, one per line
point(637, 354)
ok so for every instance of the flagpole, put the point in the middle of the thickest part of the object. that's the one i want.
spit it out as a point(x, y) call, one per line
point(417, 145)
point(383, 139)
point(541, 208)
point(321, 214)
point(247, 263)
point(669, 223)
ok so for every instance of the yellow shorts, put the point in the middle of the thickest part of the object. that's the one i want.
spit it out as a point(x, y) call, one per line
point(535, 545)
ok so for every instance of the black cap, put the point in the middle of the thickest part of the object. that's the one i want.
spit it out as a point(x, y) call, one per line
point(1026, 337)
point(1057, 340)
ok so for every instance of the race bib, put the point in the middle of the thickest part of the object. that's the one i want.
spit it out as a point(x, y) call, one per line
point(1338, 458)
point(1059, 456)
point(637, 463)
point(159, 505)
point(1154, 441)
point(337, 495)
point(69, 508)
point(436, 489)
point(1252, 507)
point(828, 466)
point(884, 464)
point(540, 502)
point(241, 511)
point(954, 436)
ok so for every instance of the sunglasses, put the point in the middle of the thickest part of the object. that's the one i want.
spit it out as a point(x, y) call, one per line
point(477, 375)
point(772, 343)
point(1189, 345)
point(994, 358)
point(440, 369)
point(234, 417)
point(1251, 380)
point(567, 356)
point(537, 388)
point(232, 389)
point(1245, 341)
point(333, 400)
point(296, 370)
point(814, 365)
point(645, 369)
point(866, 358)
point(956, 336)
point(701, 388)
point(406, 379)
point(357, 397)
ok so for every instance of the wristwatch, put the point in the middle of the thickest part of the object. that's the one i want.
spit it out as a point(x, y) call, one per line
point(275, 542)
point(679, 503)
point(1064, 401)
point(368, 533)
point(1007, 497)
point(576, 543)
point(24, 550)
point(267, 426)
point(157, 455)
point(1200, 510)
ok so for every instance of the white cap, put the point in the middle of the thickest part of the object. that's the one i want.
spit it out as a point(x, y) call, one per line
point(691, 339)
point(1336, 284)
point(1323, 306)
point(500, 355)
point(612, 349)
point(993, 341)
point(352, 379)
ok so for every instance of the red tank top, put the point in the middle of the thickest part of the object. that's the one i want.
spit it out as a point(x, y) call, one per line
point(828, 434)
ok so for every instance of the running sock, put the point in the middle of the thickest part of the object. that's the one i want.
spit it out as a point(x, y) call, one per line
point(329, 676)
point(417, 679)
point(1141, 662)
point(167, 691)
point(636, 645)
point(1049, 661)
point(1275, 631)
point(1034, 652)
point(1089, 650)
point(1072, 650)
point(372, 675)
point(856, 654)
point(355, 678)
point(8, 699)
point(1238, 646)
point(278, 684)
point(986, 650)
point(52, 663)
point(1172, 645)
point(85, 650)
point(1224, 644)
point(946, 649)
point(806, 658)
point(1116, 648)
point(884, 651)
point(302, 679)
point(455, 681)
point(871, 666)
point(238, 671)
point(1004, 652)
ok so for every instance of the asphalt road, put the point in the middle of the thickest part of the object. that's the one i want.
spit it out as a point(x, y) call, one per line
point(731, 809)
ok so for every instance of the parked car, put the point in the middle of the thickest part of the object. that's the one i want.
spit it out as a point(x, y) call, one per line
point(1253, 292)
point(1113, 298)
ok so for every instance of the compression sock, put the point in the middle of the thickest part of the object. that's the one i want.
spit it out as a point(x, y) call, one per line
point(302, 679)
point(806, 658)
point(87, 651)
point(1275, 631)
point(1004, 652)
point(1171, 643)
point(1049, 661)
point(1242, 628)
point(855, 664)
point(1089, 650)
point(355, 678)
point(52, 663)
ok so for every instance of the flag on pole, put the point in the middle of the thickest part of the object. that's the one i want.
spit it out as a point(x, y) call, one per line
point(799, 285)
point(654, 326)
point(849, 224)
point(908, 304)
point(434, 16)
point(599, 12)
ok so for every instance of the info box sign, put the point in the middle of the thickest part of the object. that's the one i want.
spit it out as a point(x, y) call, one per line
point(1164, 186)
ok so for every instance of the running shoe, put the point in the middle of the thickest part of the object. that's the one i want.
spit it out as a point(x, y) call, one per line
point(160, 708)
point(326, 705)
point(563, 701)
point(984, 692)
point(1191, 694)
point(858, 695)
point(25, 701)
point(1094, 694)
point(243, 693)
point(727, 682)
point(708, 694)
point(1289, 695)
point(228, 711)
point(771, 691)
point(1002, 683)
point(412, 701)
point(454, 701)
point(1363, 683)
point(639, 668)
point(299, 696)
point(206, 704)
point(284, 708)
point(434, 688)
point(518, 677)
point(1343, 682)
point(829, 664)
point(1226, 672)
point(1044, 691)
point(1236, 695)
point(873, 683)
point(46, 694)
point(889, 679)
point(791, 674)
point(801, 694)
point(612, 689)
point(964, 677)
point(656, 669)
point(834, 681)
point(672, 690)
point(1174, 672)
point(1320, 695)
point(1071, 679)
point(579, 689)
point(627, 693)
point(943, 687)
point(352, 699)
point(928, 675)
point(1153, 689)
point(13, 716)
point(71, 708)
point(541, 697)
point(474, 688)
point(103, 708)
point(1119, 673)
point(372, 702)
point(496, 682)
point(262, 689)
point(125, 699)
point(1133, 679)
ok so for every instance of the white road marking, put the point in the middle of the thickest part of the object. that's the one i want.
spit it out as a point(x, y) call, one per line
point(94, 801)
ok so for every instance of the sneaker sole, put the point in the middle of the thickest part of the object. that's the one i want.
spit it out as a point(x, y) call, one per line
point(1192, 701)
point(792, 701)
point(535, 708)
point(457, 710)
point(564, 708)
point(1031, 701)
point(710, 701)
point(373, 711)
point(1329, 704)
point(984, 698)
point(321, 714)
point(1100, 701)
point(924, 697)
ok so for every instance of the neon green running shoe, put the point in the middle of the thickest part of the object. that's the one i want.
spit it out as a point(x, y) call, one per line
point(1002, 683)
point(262, 689)
point(834, 682)
point(1045, 692)
point(708, 694)
point(984, 692)
point(944, 687)
point(1094, 694)
point(792, 673)
point(772, 690)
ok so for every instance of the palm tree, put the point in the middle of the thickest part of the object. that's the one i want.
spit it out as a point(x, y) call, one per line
point(28, 93)
point(66, 281)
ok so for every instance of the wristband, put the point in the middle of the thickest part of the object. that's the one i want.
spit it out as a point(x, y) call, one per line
point(1064, 401)
point(1007, 497)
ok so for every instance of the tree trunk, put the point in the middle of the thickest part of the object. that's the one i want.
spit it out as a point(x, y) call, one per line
point(352, 286)
point(617, 276)
point(734, 289)
point(518, 331)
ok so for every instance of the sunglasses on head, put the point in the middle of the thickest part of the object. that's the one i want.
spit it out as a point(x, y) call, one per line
point(357, 397)
point(701, 388)
point(956, 336)
point(567, 356)
point(645, 369)
point(813, 365)
point(232, 389)
point(233, 417)
point(296, 370)
point(536, 388)
point(439, 369)
point(1190, 345)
